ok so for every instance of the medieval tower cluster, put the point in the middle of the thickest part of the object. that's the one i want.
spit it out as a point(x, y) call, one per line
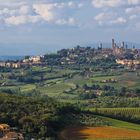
point(118, 50)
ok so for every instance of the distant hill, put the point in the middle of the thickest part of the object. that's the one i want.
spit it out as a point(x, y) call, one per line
point(4, 58)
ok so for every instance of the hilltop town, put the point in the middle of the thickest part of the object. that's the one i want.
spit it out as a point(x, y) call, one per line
point(123, 55)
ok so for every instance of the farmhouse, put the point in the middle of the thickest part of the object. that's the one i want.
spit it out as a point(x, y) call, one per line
point(2, 64)
point(4, 128)
point(13, 136)
point(128, 63)
point(16, 65)
point(10, 64)
point(35, 59)
point(6, 134)
point(109, 81)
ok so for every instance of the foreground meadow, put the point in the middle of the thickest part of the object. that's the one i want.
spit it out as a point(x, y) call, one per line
point(118, 130)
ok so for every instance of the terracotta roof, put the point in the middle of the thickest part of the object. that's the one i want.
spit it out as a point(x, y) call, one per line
point(13, 136)
point(3, 126)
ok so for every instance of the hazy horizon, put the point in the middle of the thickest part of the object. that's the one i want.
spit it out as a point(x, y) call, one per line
point(42, 49)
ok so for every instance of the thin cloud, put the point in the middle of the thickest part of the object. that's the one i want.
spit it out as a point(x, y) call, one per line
point(114, 3)
point(70, 21)
point(18, 20)
point(119, 20)
point(45, 11)
point(107, 3)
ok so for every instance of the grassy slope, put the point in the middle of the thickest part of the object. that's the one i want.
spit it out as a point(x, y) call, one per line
point(121, 124)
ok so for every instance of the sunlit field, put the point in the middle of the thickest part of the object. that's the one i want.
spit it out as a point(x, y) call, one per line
point(99, 133)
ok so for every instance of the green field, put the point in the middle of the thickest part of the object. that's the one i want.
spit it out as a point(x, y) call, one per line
point(127, 114)
point(121, 124)
point(117, 105)
point(127, 79)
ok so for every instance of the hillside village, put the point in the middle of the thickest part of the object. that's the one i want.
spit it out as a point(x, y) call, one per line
point(123, 55)
point(33, 60)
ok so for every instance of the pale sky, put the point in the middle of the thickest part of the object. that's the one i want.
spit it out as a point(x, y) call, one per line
point(40, 26)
